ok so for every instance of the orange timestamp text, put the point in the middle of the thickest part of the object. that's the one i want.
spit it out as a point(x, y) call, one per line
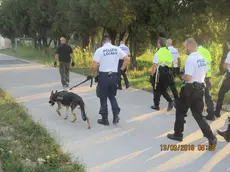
point(187, 147)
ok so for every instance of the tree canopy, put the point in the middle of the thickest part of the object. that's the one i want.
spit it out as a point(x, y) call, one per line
point(138, 22)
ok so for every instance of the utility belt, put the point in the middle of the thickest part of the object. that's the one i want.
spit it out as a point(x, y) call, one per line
point(107, 73)
point(195, 85)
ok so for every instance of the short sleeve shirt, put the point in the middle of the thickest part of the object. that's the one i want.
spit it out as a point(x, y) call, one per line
point(64, 52)
point(108, 57)
point(196, 66)
point(175, 55)
point(228, 61)
point(155, 59)
point(125, 49)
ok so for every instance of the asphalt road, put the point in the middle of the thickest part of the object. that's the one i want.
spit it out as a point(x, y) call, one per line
point(134, 145)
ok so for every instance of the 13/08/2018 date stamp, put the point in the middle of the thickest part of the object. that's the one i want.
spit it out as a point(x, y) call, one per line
point(178, 147)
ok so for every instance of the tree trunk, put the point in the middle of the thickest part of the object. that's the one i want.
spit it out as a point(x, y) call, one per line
point(85, 44)
point(112, 34)
point(121, 36)
point(103, 33)
point(132, 52)
point(225, 47)
point(49, 42)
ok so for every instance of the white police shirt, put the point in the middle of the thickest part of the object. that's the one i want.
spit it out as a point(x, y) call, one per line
point(125, 49)
point(108, 57)
point(175, 55)
point(228, 61)
point(196, 66)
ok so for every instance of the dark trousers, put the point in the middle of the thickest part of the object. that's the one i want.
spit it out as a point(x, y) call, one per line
point(208, 97)
point(192, 98)
point(122, 73)
point(162, 86)
point(173, 89)
point(157, 95)
point(64, 72)
point(225, 87)
point(107, 88)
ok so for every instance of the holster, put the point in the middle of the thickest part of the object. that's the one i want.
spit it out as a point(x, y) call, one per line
point(198, 86)
point(98, 91)
point(96, 79)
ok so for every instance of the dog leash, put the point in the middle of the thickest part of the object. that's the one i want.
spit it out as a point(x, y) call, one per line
point(91, 83)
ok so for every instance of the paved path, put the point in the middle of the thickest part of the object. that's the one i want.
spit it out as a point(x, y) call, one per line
point(131, 146)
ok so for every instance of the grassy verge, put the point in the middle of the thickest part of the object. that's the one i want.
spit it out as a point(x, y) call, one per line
point(26, 146)
point(138, 78)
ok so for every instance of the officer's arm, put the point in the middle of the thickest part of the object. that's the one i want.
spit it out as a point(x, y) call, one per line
point(95, 63)
point(93, 68)
point(56, 58)
point(187, 78)
point(125, 63)
point(188, 71)
point(154, 68)
point(155, 62)
point(225, 66)
point(71, 54)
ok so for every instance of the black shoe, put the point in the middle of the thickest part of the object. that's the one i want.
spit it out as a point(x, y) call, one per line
point(174, 137)
point(119, 88)
point(116, 119)
point(210, 117)
point(170, 106)
point(103, 122)
point(155, 107)
point(217, 114)
point(212, 141)
point(127, 86)
point(225, 134)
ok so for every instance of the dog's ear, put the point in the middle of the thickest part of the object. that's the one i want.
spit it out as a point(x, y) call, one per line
point(56, 92)
point(52, 93)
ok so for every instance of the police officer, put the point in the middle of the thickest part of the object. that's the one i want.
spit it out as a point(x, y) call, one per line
point(161, 76)
point(107, 58)
point(191, 95)
point(207, 94)
point(124, 48)
point(175, 69)
point(64, 54)
point(225, 87)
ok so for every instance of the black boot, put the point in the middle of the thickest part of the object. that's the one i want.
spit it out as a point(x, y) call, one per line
point(217, 112)
point(170, 106)
point(127, 86)
point(116, 119)
point(212, 141)
point(210, 117)
point(119, 87)
point(175, 137)
point(103, 121)
point(226, 133)
point(155, 107)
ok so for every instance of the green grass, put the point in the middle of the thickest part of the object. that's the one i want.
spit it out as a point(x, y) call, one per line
point(138, 78)
point(23, 142)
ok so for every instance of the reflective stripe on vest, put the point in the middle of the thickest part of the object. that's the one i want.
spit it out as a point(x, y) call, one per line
point(207, 56)
point(165, 57)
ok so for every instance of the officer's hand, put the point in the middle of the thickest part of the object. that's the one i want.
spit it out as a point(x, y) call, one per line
point(89, 77)
point(55, 64)
point(96, 79)
point(73, 64)
point(181, 76)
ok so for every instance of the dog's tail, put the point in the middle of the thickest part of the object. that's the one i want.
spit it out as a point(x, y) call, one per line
point(83, 114)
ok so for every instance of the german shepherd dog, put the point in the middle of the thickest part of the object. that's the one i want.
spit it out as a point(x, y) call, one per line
point(69, 99)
